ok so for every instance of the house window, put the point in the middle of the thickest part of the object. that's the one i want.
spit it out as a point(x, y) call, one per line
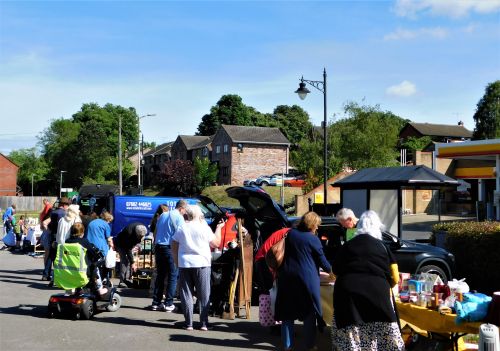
point(217, 149)
point(226, 148)
point(225, 171)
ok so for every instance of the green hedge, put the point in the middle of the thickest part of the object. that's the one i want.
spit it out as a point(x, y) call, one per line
point(476, 246)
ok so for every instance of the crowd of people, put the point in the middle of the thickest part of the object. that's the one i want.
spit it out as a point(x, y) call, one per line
point(363, 269)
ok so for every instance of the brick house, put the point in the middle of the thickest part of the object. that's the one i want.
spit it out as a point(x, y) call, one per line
point(243, 152)
point(187, 147)
point(153, 160)
point(8, 176)
point(441, 133)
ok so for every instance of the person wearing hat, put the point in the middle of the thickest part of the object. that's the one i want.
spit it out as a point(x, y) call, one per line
point(55, 216)
point(124, 242)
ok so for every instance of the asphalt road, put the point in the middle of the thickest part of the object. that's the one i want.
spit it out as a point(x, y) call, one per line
point(24, 324)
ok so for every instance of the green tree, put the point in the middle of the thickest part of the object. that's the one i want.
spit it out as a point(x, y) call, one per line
point(293, 122)
point(205, 173)
point(231, 110)
point(417, 144)
point(33, 170)
point(86, 146)
point(487, 115)
point(367, 138)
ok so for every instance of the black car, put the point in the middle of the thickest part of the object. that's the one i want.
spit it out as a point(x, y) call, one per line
point(264, 216)
point(412, 257)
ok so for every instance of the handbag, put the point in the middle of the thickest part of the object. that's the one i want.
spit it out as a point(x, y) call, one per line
point(275, 255)
point(111, 259)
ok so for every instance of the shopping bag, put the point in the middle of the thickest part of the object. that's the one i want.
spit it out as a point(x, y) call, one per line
point(111, 259)
point(266, 318)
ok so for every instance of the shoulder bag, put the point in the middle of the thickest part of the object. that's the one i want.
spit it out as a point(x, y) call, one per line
point(275, 255)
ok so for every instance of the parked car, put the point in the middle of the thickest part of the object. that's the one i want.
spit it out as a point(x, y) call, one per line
point(264, 216)
point(412, 257)
point(279, 179)
point(253, 181)
point(298, 181)
point(265, 180)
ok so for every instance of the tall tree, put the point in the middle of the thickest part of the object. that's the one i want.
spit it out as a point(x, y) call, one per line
point(367, 138)
point(86, 146)
point(231, 110)
point(293, 121)
point(33, 170)
point(487, 116)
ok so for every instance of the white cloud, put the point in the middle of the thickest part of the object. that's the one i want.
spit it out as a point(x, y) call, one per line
point(451, 8)
point(406, 34)
point(404, 89)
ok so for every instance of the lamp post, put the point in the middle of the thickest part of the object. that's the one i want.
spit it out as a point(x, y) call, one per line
point(60, 184)
point(139, 185)
point(302, 91)
point(120, 181)
point(32, 176)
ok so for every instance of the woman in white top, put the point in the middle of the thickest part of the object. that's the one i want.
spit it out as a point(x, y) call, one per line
point(191, 246)
point(65, 223)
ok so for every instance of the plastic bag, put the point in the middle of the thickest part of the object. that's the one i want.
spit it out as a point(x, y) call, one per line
point(473, 308)
point(111, 259)
point(266, 316)
point(459, 286)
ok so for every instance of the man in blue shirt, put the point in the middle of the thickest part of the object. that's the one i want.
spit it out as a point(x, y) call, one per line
point(165, 229)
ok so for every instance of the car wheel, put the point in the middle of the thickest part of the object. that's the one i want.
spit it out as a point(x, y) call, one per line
point(264, 183)
point(115, 304)
point(434, 270)
point(288, 185)
point(87, 310)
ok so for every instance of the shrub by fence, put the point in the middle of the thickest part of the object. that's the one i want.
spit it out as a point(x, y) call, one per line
point(476, 246)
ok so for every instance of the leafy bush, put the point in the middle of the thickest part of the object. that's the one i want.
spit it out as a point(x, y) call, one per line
point(476, 247)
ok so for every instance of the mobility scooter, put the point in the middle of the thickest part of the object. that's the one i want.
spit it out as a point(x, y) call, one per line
point(81, 299)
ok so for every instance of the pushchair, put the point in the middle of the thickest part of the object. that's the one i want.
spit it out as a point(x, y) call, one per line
point(81, 299)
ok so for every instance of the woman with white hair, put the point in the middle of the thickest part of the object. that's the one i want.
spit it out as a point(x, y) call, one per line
point(191, 245)
point(364, 318)
point(65, 223)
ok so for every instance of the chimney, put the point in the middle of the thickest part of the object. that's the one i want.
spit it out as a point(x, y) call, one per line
point(460, 123)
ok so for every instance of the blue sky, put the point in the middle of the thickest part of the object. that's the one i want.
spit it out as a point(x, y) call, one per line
point(426, 60)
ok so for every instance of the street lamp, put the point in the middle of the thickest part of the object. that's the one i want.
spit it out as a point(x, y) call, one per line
point(60, 184)
point(302, 91)
point(32, 175)
point(139, 185)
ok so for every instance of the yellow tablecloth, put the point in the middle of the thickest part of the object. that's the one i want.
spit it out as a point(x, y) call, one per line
point(422, 320)
point(429, 320)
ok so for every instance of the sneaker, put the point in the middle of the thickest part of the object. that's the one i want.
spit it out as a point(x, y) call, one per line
point(45, 278)
point(170, 308)
point(188, 328)
point(204, 328)
point(160, 307)
point(102, 291)
point(51, 284)
point(122, 285)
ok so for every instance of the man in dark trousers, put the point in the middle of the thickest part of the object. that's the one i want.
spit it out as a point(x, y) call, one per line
point(124, 242)
point(55, 216)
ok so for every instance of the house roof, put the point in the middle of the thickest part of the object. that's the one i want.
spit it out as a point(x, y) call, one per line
point(160, 149)
point(440, 130)
point(204, 143)
point(255, 135)
point(396, 177)
point(8, 159)
point(193, 141)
